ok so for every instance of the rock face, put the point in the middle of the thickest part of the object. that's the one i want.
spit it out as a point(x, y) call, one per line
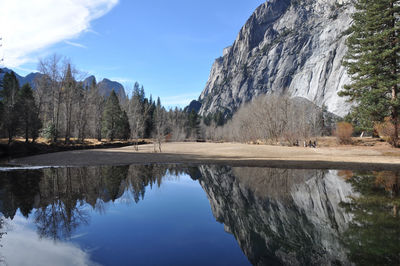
point(286, 46)
point(281, 216)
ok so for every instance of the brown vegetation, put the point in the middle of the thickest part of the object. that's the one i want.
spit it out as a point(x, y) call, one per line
point(344, 132)
point(386, 130)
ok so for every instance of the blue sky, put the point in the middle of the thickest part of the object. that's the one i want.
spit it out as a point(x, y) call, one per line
point(168, 46)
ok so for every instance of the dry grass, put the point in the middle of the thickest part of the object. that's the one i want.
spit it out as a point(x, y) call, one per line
point(394, 154)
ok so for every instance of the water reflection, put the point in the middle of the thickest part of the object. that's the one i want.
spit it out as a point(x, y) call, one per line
point(373, 237)
point(281, 216)
point(23, 247)
point(58, 197)
point(277, 216)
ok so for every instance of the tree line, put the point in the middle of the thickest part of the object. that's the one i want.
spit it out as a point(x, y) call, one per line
point(57, 212)
point(61, 107)
point(18, 109)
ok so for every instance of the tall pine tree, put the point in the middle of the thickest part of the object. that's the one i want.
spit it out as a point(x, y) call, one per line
point(8, 96)
point(28, 113)
point(373, 63)
point(113, 124)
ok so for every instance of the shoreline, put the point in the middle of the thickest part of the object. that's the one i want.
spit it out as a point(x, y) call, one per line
point(233, 154)
point(19, 149)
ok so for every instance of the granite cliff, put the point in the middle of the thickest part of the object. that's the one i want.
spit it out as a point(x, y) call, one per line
point(286, 46)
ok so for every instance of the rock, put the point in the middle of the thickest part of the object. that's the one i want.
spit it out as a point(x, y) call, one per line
point(286, 46)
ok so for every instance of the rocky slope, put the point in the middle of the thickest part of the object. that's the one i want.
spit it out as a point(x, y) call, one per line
point(281, 216)
point(286, 46)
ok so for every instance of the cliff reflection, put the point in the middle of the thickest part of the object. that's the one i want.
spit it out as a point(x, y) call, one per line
point(59, 199)
point(281, 216)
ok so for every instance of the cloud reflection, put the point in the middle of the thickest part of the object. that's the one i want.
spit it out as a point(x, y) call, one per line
point(22, 246)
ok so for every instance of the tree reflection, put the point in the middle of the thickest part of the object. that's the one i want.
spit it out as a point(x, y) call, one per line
point(18, 190)
point(373, 237)
point(61, 209)
point(61, 198)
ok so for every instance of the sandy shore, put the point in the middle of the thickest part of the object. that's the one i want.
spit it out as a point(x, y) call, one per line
point(343, 157)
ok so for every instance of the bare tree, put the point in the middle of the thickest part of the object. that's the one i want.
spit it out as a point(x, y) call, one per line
point(50, 93)
point(82, 112)
point(96, 104)
point(159, 125)
point(137, 113)
point(271, 118)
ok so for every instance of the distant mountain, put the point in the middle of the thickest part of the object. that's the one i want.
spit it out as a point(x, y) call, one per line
point(30, 78)
point(105, 86)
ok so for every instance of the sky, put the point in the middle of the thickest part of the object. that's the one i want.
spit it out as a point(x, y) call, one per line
point(166, 46)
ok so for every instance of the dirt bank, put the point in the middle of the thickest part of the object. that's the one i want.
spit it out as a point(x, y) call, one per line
point(342, 157)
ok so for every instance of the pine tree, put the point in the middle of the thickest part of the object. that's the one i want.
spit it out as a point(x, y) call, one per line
point(112, 122)
point(70, 93)
point(194, 124)
point(28, 113)
point(373, 63)
point(125, 128)
point(8, 96)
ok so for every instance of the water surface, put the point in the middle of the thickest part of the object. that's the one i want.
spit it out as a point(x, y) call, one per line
point(198, 215)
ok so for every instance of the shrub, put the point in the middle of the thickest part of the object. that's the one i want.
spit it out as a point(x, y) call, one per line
point(386, 130)
point(49, 132)
point(344, 131)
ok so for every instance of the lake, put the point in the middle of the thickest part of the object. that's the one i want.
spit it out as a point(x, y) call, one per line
point(198, 215)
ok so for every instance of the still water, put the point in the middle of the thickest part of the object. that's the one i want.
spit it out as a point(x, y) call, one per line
point(198, 215)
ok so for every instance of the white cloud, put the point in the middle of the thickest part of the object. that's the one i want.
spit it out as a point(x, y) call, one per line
point(126, 81)
point(75, 44)
point(179, 100)
point(28, 27)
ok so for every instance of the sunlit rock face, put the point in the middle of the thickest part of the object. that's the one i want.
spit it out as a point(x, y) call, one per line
point(286, 46)
point(281, 216)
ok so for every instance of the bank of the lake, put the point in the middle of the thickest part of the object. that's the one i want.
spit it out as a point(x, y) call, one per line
point(340, 157)
point(22, 149)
